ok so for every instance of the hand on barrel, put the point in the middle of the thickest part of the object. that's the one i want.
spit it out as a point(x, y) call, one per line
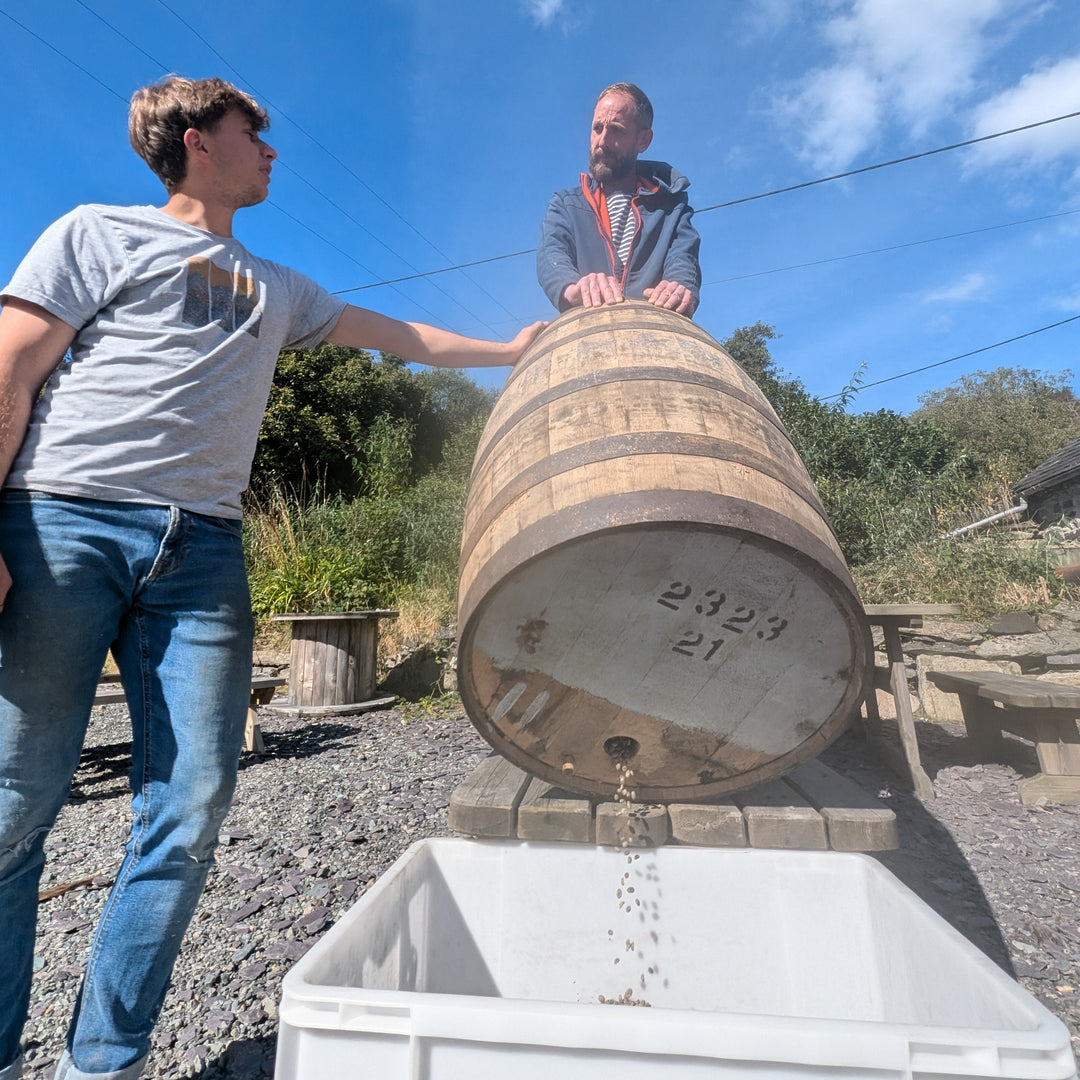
point(671, 295)
point(594, 290)
point(523, 339)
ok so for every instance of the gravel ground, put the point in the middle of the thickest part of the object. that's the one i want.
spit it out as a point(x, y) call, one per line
point(334, 802)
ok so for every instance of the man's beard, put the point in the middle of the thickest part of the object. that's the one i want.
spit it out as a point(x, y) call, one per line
point(620, 168)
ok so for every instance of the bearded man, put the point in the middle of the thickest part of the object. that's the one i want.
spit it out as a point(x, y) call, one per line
point(627, 229)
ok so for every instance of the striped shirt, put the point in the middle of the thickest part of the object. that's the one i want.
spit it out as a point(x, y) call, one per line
point(621, 216)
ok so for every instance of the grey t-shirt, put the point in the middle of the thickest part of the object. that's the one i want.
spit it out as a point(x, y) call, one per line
point(170, 370)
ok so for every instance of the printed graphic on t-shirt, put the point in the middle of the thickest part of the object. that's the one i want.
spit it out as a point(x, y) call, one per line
point(220, 296)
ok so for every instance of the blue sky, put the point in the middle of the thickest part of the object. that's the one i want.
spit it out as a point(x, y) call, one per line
point(419, 134)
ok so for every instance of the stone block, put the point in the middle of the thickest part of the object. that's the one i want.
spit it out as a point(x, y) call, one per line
point(1071, 661)
point(1030, 647)
point(948, 631)
point(937, 704)
point(1063, 678)
point(1013, 622)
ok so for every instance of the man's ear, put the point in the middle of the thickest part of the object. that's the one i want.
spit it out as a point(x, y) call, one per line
point(644, 138)
point(193, 141)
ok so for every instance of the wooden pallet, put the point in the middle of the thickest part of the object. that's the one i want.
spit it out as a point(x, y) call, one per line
point(813, 808)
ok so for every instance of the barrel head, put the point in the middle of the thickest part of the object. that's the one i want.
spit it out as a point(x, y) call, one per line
point(703, 659)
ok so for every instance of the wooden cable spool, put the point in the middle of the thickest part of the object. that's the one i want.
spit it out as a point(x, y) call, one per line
point(648, 579)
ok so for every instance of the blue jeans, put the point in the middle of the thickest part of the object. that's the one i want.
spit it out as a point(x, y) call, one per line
point(167, 591)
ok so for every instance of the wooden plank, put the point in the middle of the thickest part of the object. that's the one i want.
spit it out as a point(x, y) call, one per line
point(485, 803)
point(718, 824)
point(547, 812)
point(777, 816)
point(632, 824)
point(1057, 740)
point(262, 690)
point(332, 616)
point(109, 697)
point(1021, 691)
point(905, 720)
point(824, 787)
point(876, 612)
point(854, 819)
point(1054, 789)
point(253, 740)
point(335, 710)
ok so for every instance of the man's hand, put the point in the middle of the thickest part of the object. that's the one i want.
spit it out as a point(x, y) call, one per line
point(524, 339)
point(671, 295)
point(594, 290)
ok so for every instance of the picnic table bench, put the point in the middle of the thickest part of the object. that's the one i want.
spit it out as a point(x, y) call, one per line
point(1034, 709)
point(891, 618)
point(110, 692)
point(813, 808)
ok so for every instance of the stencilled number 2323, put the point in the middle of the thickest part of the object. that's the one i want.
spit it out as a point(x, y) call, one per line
point(736, 622)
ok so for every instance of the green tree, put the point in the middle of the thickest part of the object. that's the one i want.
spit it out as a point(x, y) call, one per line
point(341, 422)
point(1010, 419)
point(883, 477)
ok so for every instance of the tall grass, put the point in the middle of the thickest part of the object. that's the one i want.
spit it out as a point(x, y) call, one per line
point(325, 555)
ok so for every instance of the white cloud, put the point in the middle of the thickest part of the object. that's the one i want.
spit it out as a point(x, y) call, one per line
point(1046, 92)
point(569, 17)
point(1068, 303)
point(543, 12)
point(837, 111)
point(969, 287)
point(905, 61)
point(765, 18)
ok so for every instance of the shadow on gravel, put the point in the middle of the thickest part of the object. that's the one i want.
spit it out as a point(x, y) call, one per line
point(928, 860)
point(100, 767)
point(314, 737)
point(245, 1059)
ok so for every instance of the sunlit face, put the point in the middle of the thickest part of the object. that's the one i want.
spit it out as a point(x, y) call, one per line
point(616, 140)
point(241, 158)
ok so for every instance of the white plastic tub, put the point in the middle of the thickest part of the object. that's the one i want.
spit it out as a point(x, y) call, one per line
point(471, 960)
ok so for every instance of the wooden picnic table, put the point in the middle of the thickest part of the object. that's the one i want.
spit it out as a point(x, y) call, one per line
point(1036, 709)
point(891, 617)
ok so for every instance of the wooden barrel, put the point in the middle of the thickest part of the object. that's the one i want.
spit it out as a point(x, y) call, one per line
point(648, 579)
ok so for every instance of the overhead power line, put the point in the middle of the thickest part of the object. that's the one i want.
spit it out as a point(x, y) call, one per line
point(774, 191)
point(952, 359)
point(359, 179)
point(269, 202)
point(73, 63)
point(890, 247)
point(444, 270)
point(886, 164)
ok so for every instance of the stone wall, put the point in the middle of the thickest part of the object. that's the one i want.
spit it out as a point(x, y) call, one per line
point(1045, 645)
point(1049, 507)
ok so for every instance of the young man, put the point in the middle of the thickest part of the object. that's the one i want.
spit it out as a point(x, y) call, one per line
point(626, 231)
point(120, 527)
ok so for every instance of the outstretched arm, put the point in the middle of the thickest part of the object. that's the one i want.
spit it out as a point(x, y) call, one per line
point(32, 343)
point(423, 344)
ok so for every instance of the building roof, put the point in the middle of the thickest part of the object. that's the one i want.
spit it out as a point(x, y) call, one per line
point(1057, 469)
